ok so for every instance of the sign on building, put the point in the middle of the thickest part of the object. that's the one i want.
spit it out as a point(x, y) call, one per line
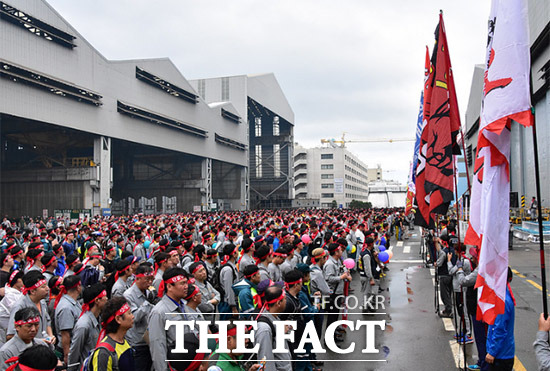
point(338, 185)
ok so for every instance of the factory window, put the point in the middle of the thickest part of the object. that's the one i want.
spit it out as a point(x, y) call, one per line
point(258, 161)
point(225, 88)
point(327, 156)
point(276, 126)
point(36, 26)
point(327, 176)
point(276, 160)
point(258, 126)
point(327, 195)
point(327, 167)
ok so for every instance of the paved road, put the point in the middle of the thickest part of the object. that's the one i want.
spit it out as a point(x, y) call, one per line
point(415, 337)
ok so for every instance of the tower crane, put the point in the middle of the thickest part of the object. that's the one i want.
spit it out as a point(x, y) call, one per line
point(343, 141)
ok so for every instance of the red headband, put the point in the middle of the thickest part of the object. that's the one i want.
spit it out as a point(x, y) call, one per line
point(86, 306)
point(227, 257)
point(277, 299)
point(62, 290)
point(318, 256)
point(199, 266)
point(122, 270)
point(35, 286)
point(149, 274)
point(288, 284)
point(280, 254)
point(45, 266)
point(5, 259)
point(232, 332)
point(80, 270)
point(163, 283)
point(251, 274)
point(30, 320)
point(125, 308)
point(195, 292)
point(12, 276)
point(15, 361)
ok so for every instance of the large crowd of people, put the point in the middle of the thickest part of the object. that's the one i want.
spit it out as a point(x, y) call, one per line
point(97, 292)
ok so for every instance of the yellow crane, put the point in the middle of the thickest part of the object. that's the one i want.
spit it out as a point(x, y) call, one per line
point(343, 141)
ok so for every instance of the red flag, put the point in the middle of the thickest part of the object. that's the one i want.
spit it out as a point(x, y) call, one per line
point(438, 142)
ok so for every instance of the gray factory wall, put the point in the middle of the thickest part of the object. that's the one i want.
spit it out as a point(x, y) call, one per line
point(30, 198)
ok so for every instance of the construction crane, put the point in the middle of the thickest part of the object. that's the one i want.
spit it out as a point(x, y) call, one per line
point(343, 141)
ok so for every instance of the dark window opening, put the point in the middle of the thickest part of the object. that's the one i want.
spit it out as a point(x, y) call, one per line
point(48, 83)
point(231, 116)
point(230, 142)
point(166, 86)
point(36, 26)
point(140, 113)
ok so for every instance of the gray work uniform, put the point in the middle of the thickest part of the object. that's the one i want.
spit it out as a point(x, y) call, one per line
point(332, 270)
point(84, 338)
point(119, 287)
point(66, 315)
point(264, 273)
point(14, 348)
point(228, 277)
point(266, 340)
point(158, 279)
point(207, 309)
point(246, 260)
point(318, 282)
point(141, 309)
point(274, 272)
point(286, 267)
point(26, 302)
point(160, 339)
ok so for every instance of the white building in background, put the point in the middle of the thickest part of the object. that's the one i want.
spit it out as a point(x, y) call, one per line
point(387, 193)
point(329, 174)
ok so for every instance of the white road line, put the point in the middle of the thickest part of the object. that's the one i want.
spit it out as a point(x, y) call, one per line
point(448, 322)
point(432, 272)
point(407, 250)
point(399, 243)
point(411, 261)
point(458, 354)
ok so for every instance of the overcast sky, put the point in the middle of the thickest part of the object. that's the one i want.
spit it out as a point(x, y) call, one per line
point(354, 65)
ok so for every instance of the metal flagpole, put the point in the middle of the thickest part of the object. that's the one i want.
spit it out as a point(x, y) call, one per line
point(539, 212)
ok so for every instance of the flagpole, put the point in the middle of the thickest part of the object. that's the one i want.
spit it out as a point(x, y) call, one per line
point(539, 212)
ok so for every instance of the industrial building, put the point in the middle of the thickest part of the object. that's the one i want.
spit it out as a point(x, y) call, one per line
point(83, 134)
point(522, 170)
point(261, 103)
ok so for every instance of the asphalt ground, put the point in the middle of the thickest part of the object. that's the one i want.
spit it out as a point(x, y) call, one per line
point(415, 337)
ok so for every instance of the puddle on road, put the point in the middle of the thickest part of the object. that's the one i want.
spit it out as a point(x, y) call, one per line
point(397, 295)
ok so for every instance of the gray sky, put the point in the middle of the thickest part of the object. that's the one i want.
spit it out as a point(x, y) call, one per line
point(355, 65)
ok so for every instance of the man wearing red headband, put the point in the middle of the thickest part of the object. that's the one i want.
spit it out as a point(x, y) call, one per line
point(274, 268)
point(162, 264)
point(113, 352)
point(246, 291)
point(34, 292)
point(87, 328)
point(275, 303)
point(141, 303)
point(170, 307)
point(27, 323)
point(49, 265)
point(67, 311)
point(228, 275)
point(123, 272)
point(210, 296)
point(335, 276)
point(263, 258)
point(12, 296)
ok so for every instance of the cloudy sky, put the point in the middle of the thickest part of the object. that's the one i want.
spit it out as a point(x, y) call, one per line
point(354, 65)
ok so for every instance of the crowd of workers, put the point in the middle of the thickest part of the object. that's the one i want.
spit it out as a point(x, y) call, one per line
point(98, 292)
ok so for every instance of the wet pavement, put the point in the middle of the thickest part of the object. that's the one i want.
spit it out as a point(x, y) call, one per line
point(415, 337)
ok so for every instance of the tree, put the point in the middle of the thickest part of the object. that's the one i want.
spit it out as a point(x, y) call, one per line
point(355, 204)
point(334, 204)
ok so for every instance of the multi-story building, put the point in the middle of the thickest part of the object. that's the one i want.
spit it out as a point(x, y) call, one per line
point(334, 176)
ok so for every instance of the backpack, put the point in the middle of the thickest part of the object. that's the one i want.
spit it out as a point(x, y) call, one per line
point(216, 282)
point(88, 360)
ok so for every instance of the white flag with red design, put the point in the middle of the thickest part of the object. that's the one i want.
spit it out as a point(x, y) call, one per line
point(506, 98)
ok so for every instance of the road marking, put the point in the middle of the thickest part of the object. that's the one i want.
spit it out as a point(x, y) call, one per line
point(414, 235)
point(407, 250)
point(448, 322)
point(432, 272)
point(412, 261)
point(518, 366)
point(535, 284)
point(518, 274)
point(458, 354)
point(399, 243)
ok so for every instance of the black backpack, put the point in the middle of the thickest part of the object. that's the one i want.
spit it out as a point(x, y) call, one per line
point(216, 282)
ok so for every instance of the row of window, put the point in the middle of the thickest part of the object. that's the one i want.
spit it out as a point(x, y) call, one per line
point(276, 160)
point(354, 188)
point(356, 196)
point(327, 167)
point(355, 180)
point(258, 126)
point(327, 185)
point(327, 156)
point(355, 163)
point(327, 176)
point(353, 171)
